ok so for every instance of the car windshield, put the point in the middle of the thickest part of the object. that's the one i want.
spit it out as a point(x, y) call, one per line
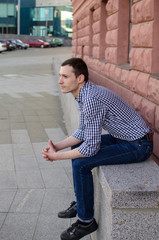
point(19, 41)
point(40, 40)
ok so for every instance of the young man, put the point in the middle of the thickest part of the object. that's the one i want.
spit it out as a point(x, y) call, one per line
point(127, 141)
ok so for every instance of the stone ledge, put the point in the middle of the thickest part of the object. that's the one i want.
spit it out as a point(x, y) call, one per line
point(125, 194)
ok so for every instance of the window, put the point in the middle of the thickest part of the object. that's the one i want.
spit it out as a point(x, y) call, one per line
point(11, 10)
point(3, 10)
point(7, 10)
point(43, 14)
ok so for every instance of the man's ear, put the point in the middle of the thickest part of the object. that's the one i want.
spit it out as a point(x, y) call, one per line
point(81, 78)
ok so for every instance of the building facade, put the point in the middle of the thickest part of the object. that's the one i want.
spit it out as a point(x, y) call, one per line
point(8, 16)
point(37, 18)
point(118, 39)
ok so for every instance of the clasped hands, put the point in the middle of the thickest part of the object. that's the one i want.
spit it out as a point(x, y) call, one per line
point(49, 153)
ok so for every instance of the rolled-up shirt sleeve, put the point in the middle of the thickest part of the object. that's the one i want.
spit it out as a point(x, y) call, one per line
point(79, 133)
point(93, 115)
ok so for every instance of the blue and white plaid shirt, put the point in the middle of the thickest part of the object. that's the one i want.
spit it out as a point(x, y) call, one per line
point(100, 109)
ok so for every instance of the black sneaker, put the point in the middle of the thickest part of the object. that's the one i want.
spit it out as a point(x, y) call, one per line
point(69, 212)
point(78, 230)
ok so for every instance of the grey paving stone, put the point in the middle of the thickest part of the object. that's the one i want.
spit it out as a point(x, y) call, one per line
point(19, 227)
point(6, 157)
point(14, 112)
point(27, 201)
point(22, 149)
point(17, 118)
point(20, 136)
point(57, 199)
point(56, 134)
point(43, 164)
point(66, 163)
point(55, 177)
point(29, 179)
point(37, 147)
point(68, 171)
point(43, 112)
point(5, 137)
point(38, 138)
point(34, 126)
point(2, 218)
point(4, 124)
point(29, 112)
point(36, 130)
point(50, 227)
point(3, 112)
point(49, 124)
point(25, 162)
point(6, 198)
point(8, 180)
point(30, 118)
point(17, 125)
point(48, 118)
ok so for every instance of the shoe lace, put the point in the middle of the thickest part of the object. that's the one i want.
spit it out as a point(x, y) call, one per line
point(73, 227)
point(72, 204)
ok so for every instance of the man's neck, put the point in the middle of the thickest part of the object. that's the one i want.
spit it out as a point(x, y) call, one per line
point(76, 93)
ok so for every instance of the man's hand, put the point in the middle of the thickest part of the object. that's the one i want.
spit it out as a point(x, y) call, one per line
point(52, 153)
point(49, 152)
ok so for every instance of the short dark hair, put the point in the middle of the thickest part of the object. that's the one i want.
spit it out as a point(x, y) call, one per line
point(78, 65)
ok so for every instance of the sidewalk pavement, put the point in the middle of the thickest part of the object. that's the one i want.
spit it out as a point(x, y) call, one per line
point(32, 191)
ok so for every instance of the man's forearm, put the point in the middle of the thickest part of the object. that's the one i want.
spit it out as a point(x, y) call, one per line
point(68, 142)
point(72, 154)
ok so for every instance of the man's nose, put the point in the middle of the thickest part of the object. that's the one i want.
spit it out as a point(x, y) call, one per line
point(60, 80)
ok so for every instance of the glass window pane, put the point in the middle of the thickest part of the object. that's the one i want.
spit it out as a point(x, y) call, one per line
point(3, 10)
point(11, 10)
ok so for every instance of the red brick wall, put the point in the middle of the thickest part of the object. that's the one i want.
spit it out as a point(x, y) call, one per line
point(120, 56)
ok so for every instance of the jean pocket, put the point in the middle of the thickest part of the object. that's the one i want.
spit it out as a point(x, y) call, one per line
point(142, 149)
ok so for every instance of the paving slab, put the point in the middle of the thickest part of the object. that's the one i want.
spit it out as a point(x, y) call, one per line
point(6, 199)
point(27, 201)
point(25, 162)
point(8, 180)
point(6, 157)
point(19, 226)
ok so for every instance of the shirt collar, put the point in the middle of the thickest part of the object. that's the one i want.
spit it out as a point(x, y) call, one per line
point(82, 92)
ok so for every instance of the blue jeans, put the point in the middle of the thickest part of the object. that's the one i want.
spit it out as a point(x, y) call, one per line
point(112, 151)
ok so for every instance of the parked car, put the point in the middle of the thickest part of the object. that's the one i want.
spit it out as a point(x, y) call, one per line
point(19, 43)
point(37, 43)
point(3, 47)
point(12, 43)
point(55, 42)
point(52, 42)
point(58, 41)
point(9, 45)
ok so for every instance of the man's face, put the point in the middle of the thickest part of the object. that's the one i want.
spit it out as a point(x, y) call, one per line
point(68, 81)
